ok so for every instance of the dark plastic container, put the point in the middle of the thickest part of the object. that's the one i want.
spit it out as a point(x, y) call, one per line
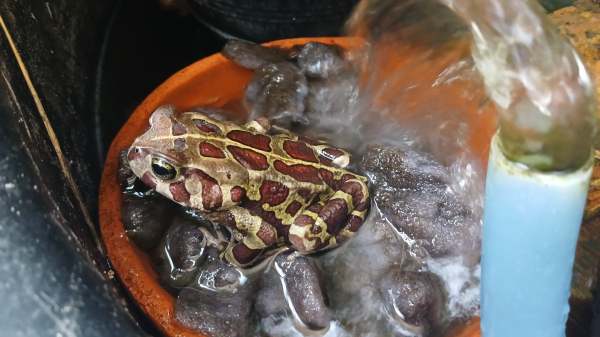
point(269, 20)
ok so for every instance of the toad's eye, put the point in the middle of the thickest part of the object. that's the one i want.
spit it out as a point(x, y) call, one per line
point(162, 169)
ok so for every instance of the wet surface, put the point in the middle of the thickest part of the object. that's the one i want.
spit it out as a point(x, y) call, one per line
point(304, 292)
point(319, 60)
point(412, 297)
point(253, 56)
point(412, 189)
point(146, 218)
point(48, 285)
point(214, 313)
point(298, 87)
point(332, 98)
point(277, 91)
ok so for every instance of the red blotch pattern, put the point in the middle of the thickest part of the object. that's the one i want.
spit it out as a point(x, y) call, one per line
point(205, 126)
point(212, 197)
point(267, 234)
point(224, 218)
point(363, 206)
point(303, 173)
point(250, 159)
point(178, 129)
point(316, 229)
point(327, 178)
point(304, 220)
point(299, 150)
point(353, 223)
point(180, 194)
point(333, 213)
point(325, 161)
point(298, 242)
point(293, 208)
point(255, 207)
point(237, 193)
point(243, 254)
point(355, 190)
point(347, 177)
point(315, 208)
point(331, 153)
point(305, 193)
point(260, 142)
point(209, 150)
point(273, 193)
point(179, 144)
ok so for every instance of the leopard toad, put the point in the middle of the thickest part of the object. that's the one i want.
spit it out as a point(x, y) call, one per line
point(273, 189)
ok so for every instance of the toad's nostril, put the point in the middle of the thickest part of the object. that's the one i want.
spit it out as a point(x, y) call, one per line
point(137, 153)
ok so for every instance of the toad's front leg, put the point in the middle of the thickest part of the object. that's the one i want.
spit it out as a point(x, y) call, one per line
point(326, 224)
point(258, 235)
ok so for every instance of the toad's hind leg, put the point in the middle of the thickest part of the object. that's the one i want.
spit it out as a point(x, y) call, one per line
point(351, 225)
point(257, 235)
point(312, 230)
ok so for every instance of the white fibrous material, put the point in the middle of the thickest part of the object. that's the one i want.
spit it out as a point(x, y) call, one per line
point(461, 283)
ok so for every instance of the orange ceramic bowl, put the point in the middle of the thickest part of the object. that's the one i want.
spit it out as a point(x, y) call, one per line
point(213, 81)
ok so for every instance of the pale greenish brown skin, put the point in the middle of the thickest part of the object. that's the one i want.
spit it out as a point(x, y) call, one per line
point(275, 190)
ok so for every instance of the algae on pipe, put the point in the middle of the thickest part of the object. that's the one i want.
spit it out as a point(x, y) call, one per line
point(556, 134)
point(543, 94)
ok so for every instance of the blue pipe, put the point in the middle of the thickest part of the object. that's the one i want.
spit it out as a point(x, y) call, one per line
point(530, 226)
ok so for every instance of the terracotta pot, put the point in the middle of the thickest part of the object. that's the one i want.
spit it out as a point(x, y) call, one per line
point(213, 81)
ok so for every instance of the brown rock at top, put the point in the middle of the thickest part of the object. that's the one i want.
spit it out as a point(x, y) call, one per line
point(581, 25)
point(582, 28)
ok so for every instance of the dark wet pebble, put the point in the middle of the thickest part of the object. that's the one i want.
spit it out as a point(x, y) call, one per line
point(277, 91)
point(270, 300)
point(332, 97)
point(218, 275)
point(304, 286)
point(146, 218)
point(185, 245)
point(220, 303)
point(215, 314)
point(411, 296)
point(182, 251)
point(400, 168)
point(412, 191)
point(253, 56)
point(320, 60)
